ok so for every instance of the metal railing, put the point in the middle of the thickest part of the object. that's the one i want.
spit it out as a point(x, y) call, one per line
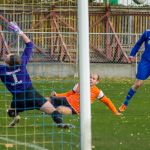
point(104, 48)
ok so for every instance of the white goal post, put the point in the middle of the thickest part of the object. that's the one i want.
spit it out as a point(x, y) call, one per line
point(84, 70)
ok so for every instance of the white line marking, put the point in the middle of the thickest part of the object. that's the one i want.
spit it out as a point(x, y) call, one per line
point(21, 143)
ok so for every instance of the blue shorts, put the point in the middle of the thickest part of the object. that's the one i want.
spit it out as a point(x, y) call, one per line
point(143, 71)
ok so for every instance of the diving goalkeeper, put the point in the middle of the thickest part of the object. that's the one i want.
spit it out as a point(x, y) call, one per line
point(15, 77)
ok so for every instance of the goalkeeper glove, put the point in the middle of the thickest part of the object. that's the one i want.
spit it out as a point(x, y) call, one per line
point(15, 28)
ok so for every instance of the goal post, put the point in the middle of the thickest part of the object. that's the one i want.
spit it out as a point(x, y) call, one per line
point(55, 35)
point(84, 69)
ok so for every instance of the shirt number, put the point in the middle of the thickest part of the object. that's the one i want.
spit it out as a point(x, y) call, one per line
point(16, 81)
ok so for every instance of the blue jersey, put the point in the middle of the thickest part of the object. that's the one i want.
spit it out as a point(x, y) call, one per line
point(145, 38)
point(17, 79)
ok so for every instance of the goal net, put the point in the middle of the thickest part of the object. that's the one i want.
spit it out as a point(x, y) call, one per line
point(52, 27)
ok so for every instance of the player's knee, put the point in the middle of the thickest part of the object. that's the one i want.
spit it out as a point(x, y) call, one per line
point(64, 110)
point(59, 109)
point(11, 112)
point(138, 85)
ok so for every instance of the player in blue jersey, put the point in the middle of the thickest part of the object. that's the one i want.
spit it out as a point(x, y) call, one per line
point(143, 71)
point(15, 77)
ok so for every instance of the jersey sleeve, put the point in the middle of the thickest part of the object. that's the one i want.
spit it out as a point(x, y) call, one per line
point(109, 104)
point(100, 95)
point(74, 90)
point(65, 94)
point(27, 53)
point(138, 44)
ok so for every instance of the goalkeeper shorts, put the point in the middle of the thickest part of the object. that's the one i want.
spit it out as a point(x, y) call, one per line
point(28, 100)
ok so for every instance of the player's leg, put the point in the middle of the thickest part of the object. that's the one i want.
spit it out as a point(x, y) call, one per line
point(14, 121)
point(36, 101)
point(63, 107)
point(48, 108)
point(142, 74)
point(64, 110)
point(16, 106)
point(15, 115)
point(130, 94)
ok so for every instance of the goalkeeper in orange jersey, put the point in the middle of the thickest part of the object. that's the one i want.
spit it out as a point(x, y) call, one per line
point(69, 102)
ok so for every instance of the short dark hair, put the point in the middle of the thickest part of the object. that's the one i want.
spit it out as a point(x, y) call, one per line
point(14, 60)
point(98, 77)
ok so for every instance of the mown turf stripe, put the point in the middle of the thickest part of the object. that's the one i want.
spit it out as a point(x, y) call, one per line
point(21, 143)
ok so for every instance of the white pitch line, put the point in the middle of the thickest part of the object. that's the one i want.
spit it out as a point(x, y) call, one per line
point(21, 143)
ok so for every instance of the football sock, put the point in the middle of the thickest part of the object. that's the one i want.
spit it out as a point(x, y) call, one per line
point(57, 117)
point(129, 96)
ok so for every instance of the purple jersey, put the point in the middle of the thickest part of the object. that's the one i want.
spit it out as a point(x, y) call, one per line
point(17, 79)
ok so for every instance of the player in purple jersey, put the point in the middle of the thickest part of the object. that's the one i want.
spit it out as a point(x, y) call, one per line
point(143, 71)
point(15, 77)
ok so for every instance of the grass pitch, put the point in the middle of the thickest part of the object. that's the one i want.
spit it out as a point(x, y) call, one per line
point(36, 131)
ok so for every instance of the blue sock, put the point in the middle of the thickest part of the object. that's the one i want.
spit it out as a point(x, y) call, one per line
point(131, 93)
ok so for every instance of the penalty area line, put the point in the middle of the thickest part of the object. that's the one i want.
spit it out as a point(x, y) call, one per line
point(22, 143)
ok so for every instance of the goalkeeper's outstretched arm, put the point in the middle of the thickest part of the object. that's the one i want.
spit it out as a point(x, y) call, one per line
point(25, 38)
point(15, 28)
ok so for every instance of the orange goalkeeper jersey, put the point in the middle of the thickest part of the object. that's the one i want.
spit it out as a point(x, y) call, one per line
point(73, 97)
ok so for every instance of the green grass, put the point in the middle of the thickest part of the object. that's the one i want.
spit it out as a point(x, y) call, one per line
point(109, 132)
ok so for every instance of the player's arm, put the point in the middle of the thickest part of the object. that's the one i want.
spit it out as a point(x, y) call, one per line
point(25, 38)
point(109, 104)
point(137, 46)
point(15, 28)
point(53, 93)
point(66, 94)
point(27, 51)
point(29, 45)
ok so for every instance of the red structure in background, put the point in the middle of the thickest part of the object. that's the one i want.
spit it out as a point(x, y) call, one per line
point(111, 51)
point(58, 41)
point(3, 44)
point(4, 47)
point(107, 54)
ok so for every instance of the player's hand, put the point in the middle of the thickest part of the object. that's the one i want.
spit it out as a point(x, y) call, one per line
point(53, 93)
point(118, 114)
point(132, 59)
point(12, 26)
